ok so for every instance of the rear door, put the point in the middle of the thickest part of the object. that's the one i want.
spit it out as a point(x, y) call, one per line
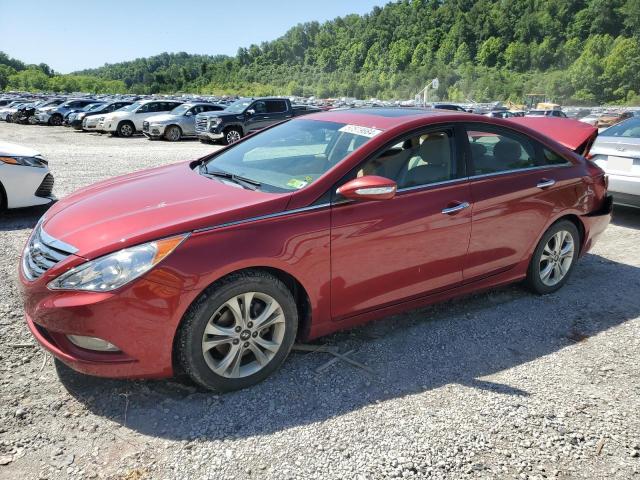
point(267, 112)
point(391, 251)
point(516, 184)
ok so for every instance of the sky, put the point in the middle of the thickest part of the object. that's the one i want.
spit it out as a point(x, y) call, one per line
point(72, 35)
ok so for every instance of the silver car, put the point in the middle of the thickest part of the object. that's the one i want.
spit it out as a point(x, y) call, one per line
point(178, 123)
point(617, 152)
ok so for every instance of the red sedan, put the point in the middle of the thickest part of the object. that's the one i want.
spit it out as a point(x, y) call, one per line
point(215, 267)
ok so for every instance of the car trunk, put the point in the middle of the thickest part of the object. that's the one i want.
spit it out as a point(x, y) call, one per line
point(575, 135)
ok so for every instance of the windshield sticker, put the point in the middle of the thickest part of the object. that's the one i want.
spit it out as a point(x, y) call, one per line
point(362, 131)
point(295, 183)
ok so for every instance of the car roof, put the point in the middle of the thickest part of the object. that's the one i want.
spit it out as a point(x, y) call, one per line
point(384, 118)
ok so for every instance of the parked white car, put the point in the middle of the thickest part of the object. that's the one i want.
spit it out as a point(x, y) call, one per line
point(128, 120)
point(617, 152)
point(25, 179)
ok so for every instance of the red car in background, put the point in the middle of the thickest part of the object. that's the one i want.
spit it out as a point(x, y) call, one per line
point(214, 267)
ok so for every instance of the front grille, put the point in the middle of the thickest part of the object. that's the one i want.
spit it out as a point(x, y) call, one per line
point(201, 124)
point(46, 187)
point(43, 252)
point(145, 126)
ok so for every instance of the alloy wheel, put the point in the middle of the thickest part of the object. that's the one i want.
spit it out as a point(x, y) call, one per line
point(173, 134)
point(556, 258)
point(243, 335)
point(233, 136)
point(126, 130)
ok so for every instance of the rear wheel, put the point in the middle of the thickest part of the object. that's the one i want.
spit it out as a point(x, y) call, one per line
point(231, 135)
point(126, 129)
point(554, 258)
point(173, 133)
point(239, 332)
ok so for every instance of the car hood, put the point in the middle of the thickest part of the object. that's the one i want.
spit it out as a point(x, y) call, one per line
point(165, 117)
point(11, 149)
point(151, 204)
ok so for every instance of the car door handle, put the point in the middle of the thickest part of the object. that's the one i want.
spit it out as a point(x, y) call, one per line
point(546, 183)
point(457, 208)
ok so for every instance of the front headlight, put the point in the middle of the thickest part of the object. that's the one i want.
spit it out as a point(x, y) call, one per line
point(116, 269)
point(24, 161)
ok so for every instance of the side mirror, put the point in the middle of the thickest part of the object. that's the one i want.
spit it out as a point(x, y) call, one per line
point(188, 114)
point(251, 111)
point(369, 187)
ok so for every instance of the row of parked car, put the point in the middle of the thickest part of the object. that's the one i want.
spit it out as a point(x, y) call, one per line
point(169, 119)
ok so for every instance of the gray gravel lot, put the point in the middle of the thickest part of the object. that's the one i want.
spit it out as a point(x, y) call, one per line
point(502, 384)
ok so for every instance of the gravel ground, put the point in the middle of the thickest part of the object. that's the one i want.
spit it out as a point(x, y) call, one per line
point(502, 384)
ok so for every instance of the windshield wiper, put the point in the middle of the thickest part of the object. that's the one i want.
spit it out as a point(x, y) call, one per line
point(245, 182)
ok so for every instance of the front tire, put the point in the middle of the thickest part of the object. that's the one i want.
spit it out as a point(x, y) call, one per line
point(126, 129)
point(554, 258)
point(238, 332)
point(231, 135)
point(173, 133)
point(55, 120)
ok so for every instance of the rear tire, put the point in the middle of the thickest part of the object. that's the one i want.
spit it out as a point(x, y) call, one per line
point(554, 258)
point(248, 344)
point(126, 129)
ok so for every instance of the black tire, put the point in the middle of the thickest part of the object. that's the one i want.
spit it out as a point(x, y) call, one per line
point(231, 135)
point(3, 198)
point(189, 351)
point(126, 129)
point(55, 120)
point(534, 278)
point(173, 133)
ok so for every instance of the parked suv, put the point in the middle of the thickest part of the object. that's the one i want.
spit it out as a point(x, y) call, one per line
point(128, 120)
point(179, 122)
point(242, 117)
point(89, 120)
point(55, 115)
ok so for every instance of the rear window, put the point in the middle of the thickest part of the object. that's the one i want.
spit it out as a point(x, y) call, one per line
point(629, 128)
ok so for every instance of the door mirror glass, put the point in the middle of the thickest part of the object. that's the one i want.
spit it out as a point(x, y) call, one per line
point(188, 114)
point(369, 187)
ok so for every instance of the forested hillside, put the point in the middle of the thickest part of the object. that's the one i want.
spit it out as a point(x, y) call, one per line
point(573, 50)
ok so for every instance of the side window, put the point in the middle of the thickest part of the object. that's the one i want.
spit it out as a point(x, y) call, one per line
point(197, 109)
point(276, 106)
point(552, 158)
point(420, 160)
point(495, 151)
point(210, 108)
point(144, 108)
point(260, 107)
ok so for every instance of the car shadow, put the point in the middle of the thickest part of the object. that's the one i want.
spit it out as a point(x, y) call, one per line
point(21, 218)
point(626, 217)
point(457, 342)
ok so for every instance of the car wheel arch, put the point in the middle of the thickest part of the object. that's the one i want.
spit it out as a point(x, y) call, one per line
point(573, 218)
point(299, 292)
point(4, 200)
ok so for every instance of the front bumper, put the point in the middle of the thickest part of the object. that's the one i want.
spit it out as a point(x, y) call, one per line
point(43, 117)
point(140, 319)
point(153, 130)
point(210, 135)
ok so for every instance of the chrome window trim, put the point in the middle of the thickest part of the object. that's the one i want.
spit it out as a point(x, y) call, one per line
point(434, 184)
point(263, 217)
point(518, 170)
point(55, 243)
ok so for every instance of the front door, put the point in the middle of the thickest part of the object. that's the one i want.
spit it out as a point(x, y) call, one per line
point(386, 252)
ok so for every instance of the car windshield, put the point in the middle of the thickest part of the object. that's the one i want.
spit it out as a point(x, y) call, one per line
point(181, 109)
point(238, 106)
point(292, 155)
point(93, 106)
point(130, 108)
point(628, 128)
